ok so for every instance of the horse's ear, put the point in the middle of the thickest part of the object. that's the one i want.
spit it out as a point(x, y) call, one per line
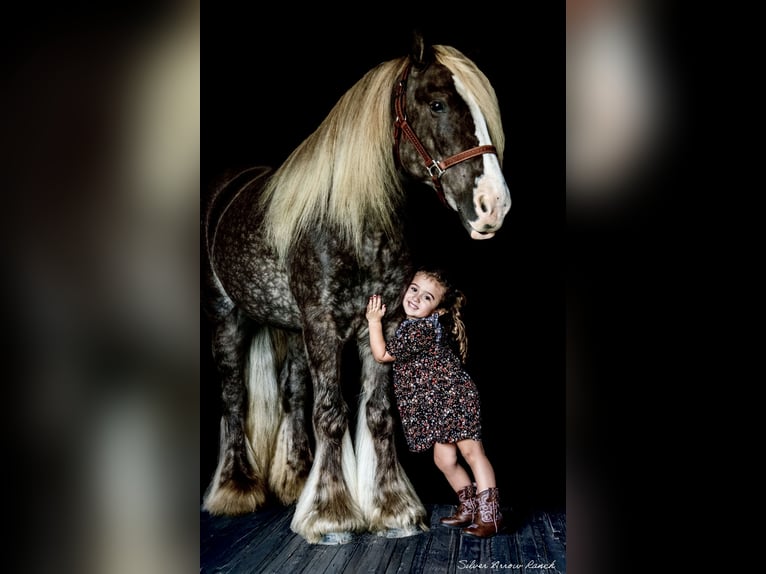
point(421, 53)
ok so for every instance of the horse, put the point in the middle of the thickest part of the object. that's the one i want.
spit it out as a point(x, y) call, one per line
point(290, 257)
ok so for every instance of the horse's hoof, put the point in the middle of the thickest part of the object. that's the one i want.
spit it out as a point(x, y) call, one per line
point(399, 532)
point(335, 538)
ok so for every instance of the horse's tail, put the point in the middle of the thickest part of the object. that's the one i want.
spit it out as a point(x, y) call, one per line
point(240, 482)
point(264, 413)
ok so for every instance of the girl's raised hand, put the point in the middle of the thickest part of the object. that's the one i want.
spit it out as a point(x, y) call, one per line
point(375, 308)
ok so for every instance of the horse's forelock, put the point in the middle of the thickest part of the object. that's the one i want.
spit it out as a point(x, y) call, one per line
point(479, 86)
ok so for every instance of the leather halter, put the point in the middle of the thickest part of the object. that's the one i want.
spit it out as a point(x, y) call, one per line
point(434, 167)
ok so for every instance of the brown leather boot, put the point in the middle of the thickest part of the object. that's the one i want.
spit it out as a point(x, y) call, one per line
point(488, 521)
point(466, 510)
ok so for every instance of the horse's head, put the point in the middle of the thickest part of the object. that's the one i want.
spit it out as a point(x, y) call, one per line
point(449, 136)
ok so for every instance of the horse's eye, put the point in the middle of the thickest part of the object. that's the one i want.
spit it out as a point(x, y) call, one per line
point(438, 106)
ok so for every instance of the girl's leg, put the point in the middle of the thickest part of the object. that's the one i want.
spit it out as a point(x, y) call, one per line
point(473, 453)
point(488, 519)
point(445, 458)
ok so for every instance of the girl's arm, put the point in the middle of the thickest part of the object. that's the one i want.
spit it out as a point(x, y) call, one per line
point(375, 311)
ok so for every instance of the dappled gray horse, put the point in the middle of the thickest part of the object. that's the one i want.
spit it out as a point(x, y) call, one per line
point(292, 256)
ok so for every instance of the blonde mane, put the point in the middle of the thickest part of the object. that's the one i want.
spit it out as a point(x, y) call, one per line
point(343, 177)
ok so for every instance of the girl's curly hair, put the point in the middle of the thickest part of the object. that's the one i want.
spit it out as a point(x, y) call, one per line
point(453, 302)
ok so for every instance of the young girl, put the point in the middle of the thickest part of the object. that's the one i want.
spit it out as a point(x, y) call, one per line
point(438, 401)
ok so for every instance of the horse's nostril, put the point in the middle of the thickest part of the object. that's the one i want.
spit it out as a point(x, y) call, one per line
point(484, 205)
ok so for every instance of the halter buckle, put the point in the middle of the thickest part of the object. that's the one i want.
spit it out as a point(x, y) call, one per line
point(435, 167)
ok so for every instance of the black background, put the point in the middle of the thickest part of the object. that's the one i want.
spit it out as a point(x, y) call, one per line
point(267, 84)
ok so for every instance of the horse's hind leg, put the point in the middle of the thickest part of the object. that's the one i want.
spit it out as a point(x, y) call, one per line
point(292, 453)
point(239, 482)
point(387, 498)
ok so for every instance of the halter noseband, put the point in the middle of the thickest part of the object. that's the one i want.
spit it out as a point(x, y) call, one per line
point(435, 168)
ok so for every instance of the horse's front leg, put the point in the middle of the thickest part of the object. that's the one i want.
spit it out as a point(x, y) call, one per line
point(326, 512)
point(387, 498)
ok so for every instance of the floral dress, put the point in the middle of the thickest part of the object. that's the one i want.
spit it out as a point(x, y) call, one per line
point(437, 399)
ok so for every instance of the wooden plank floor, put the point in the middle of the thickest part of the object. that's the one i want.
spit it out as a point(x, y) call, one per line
point(262, 543)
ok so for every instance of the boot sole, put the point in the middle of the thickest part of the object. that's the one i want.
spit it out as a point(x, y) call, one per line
point(472, 535)
point(455, 525)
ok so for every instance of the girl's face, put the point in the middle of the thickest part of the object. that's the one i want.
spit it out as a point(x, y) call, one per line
point(423, 297)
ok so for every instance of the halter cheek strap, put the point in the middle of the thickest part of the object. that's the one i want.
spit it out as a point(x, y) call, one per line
point(402, 127)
